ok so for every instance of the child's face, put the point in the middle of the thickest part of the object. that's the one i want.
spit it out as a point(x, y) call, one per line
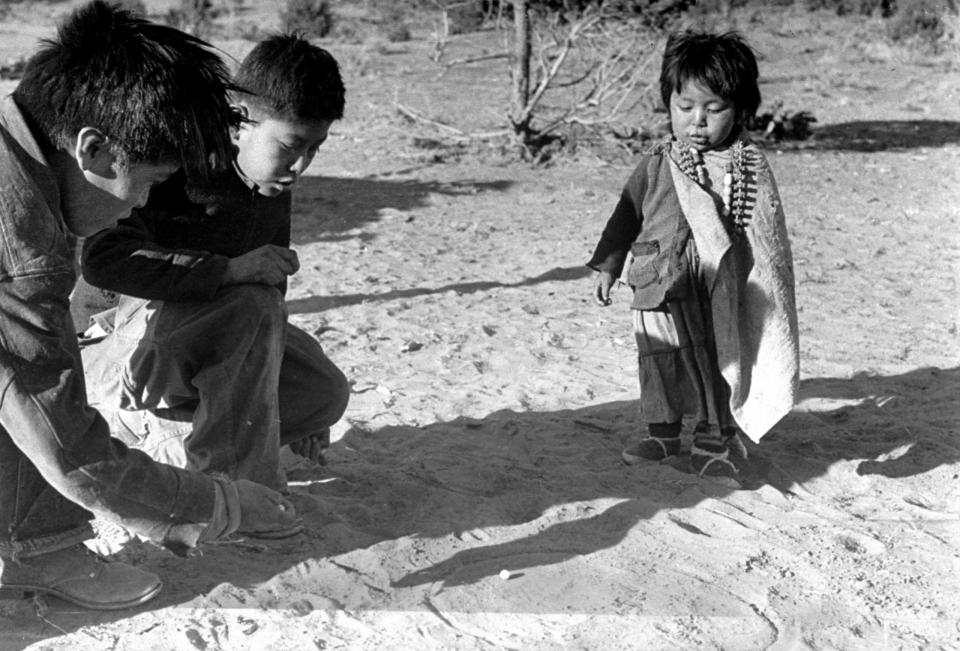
point(700, 117)
point(273, 152)
point(97, 191)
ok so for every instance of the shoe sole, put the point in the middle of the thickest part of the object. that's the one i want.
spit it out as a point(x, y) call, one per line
point(276, 534)
point(28, 590)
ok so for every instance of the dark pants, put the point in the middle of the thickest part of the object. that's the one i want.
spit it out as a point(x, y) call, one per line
point(679, 373)
point(57, 458)
point(216, 386)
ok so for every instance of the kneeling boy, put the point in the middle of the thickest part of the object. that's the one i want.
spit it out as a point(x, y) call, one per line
point(111, 106)
point(203, 370)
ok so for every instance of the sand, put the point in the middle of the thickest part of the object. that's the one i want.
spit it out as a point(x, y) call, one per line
point(491, 398)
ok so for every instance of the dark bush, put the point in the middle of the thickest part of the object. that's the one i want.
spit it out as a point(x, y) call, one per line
point(920, 19)
point(465, 17)
point(308, 17)
point(884, 8)
point(133, 6)
point(393, 21)
point(193, 16)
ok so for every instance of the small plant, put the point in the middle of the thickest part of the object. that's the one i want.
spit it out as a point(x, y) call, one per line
point(308, 17)
point(464, 17)
point(883, 8)
point(921, 20)
point(393, 22)
point(193, 16)
point(136, 7)
point(778, 123)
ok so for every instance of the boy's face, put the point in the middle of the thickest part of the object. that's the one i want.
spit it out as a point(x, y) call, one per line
point(700, 117)
point(273, 152)
point(97, 191)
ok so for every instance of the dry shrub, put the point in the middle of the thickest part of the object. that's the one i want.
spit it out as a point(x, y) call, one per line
point(884, 8)
point(922, 21)
point(308, 17)
point(136, 7)
point(951, 36)
point(465, 17)
point(393, 21)
point(193, 16)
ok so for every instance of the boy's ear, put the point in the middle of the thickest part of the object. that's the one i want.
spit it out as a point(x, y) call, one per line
point(242, 109)
point(92, 152)
point(242, 114)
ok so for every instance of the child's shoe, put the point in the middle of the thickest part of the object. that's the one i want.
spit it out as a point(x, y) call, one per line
point(717, 454)
point(663, 442)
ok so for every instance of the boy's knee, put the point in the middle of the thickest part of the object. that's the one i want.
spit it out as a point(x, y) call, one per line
point(340, 393)
point(334, 393)
point(247, 305)
point(251, 297)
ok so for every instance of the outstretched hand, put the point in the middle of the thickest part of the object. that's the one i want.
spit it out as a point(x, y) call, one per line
point(263, 509)
point(269, 264)
point(601, 288)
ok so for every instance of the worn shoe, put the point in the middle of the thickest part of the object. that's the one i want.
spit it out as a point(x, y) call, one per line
point(274, 534)
point(717, 455)
point(82, 577)
point(652, 448)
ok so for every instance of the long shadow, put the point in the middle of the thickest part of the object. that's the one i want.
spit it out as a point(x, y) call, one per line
point(881, 417)
point(899, 426)
point(878, 135)
point(334, 205)
point(320, 303)
point(508, 468)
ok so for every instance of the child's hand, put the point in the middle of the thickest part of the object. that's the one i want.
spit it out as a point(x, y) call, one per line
point(269, 264)
point(601, 289)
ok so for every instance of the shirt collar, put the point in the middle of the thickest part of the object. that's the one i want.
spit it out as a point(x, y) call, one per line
point(12, 119)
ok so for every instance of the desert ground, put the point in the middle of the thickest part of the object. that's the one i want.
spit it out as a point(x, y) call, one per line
point(491, 397)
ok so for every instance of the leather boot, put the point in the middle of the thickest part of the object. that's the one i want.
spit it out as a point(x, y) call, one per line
point(80, 576)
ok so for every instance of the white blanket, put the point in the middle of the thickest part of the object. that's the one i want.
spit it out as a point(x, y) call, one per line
point(753, 304)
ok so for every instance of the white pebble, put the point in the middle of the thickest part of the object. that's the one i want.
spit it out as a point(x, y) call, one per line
point(504, 574)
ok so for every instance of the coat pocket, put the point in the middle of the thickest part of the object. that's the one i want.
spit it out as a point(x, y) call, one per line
point(643, 268)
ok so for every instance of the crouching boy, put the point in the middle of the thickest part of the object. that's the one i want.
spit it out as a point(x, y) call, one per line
point(202, 369)
point(110, 107)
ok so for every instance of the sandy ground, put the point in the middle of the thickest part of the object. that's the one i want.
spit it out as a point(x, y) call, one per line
point(491, 398)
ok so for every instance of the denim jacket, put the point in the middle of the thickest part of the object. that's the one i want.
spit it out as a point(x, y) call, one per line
point(43, 402)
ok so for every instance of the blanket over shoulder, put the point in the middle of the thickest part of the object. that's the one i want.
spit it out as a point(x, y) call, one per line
point(752, 298)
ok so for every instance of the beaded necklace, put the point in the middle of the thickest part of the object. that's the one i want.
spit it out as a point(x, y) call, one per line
point(735, 180)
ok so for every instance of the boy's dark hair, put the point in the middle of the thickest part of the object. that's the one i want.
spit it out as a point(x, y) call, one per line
point(291, 78)
point(158, 94)
point(724, 63)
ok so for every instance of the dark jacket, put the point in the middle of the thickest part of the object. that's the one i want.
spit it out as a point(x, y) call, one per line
point(177, 246)
point(49, 435)
point(647, 223)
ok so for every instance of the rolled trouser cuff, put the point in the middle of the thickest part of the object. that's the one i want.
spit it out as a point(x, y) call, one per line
point(45, 544)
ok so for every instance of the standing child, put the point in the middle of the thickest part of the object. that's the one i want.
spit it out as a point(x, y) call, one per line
point(203, 371)
point(710, 265)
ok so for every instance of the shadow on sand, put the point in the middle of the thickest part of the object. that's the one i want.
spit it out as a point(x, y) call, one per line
point(321, 303)
point(509, 468)
point(877, 135)
point(336, 206)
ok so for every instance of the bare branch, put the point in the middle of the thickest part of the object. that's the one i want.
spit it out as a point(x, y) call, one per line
point(453, 133)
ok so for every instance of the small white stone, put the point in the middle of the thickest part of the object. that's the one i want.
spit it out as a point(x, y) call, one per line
point(504, 574)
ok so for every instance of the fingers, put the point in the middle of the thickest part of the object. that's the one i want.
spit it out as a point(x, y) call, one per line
point(263, 508)
point(284, 260)
point(601, 290)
